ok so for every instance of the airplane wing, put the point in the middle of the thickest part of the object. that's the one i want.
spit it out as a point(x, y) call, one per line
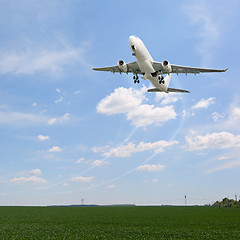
point(169, 90)
point(131, 68)
point(183, 69)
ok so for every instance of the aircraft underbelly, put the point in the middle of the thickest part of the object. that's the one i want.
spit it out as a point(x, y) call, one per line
point(146, 67)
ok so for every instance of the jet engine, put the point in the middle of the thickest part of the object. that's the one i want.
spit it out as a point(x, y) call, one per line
point(122, 66)
point(166, 66)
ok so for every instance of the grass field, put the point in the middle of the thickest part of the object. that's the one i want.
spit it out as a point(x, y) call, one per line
point(119, 223)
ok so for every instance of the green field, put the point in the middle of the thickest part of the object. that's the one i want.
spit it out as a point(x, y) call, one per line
point(119, 223)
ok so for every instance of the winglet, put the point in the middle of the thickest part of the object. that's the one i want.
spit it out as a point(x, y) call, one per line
point(225, 69)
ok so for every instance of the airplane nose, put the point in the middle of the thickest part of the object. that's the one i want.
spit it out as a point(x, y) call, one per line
point(130, 39)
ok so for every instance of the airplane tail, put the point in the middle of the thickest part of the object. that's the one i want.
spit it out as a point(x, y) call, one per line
point(168, 90)
point(167, 80)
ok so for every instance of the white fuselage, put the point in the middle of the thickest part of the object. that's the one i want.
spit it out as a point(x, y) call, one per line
point(145, 60)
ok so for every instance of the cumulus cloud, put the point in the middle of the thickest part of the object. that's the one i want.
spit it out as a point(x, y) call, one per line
point(204, 103)
point(59, 100)
point(127, 150)
point(151, 168)
point(221, 140)
point(146, 114)
point(80, 160)
point(167, 98)
point(234, 117)
point(42, 137)
point(31, 179)
point(55, 149)
point(52, 121)
point(122, 100)
point(130, 102)
point(99, 163)
point(82, 179)
point(35, 172)
point(61, 119)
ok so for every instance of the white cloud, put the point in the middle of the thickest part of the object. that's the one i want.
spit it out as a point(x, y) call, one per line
point(216, 116)
point(130, 102)
point(155, 180)
point(111, 186)
point(145, 115)
point(234, 117)
point(100, 163)
point(58, 90)
point(204, 103)
point(52, 121)
point(151, 168)
point(32, 179)
point(35, 172)
point(101, 149)
point(80, 160)
point(21, 119)
point(167, 98)
point(220, 140)
point(59, 100)
point(77, 92)
point(34, 104)
point(43, 138)
point(122, 100)
point(64, 118)
point(225, 166)
point(65, 184)
point(207, 26)
point(55, 149)
point(82, 179)
point(127, 150)
point(223, 158)
point(30, 61)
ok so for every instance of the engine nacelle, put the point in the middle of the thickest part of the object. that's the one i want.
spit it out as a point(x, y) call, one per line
point(122, 66)
point(166, 66)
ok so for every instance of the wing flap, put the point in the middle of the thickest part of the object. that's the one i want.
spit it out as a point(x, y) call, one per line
point(195, 70)
point(184, 69)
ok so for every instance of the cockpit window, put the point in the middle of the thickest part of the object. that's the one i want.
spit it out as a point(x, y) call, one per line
point(133, 47)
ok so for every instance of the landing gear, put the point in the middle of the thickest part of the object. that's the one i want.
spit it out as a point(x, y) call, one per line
point(161, 80)
point(136, 79)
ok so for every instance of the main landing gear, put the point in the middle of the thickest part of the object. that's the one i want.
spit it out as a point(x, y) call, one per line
point(161, 80)
point(136, 79)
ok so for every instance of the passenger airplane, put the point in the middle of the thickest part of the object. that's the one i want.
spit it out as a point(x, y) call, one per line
point(152, 70)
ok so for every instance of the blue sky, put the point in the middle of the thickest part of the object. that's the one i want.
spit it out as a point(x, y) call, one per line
point(69, 133)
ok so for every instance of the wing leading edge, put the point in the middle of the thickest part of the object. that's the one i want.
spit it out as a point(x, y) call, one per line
point(132, 67)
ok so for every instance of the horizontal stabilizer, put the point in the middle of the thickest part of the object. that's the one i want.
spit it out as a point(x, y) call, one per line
point(169, 90)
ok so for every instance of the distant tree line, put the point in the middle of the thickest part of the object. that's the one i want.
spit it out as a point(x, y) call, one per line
point(227, 203)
